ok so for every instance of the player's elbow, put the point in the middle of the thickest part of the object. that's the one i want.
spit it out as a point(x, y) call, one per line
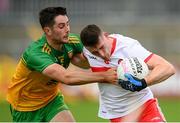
point(170, 69)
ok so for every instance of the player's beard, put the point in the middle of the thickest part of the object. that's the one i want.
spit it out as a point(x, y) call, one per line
point(61, 40)
point(65, 38)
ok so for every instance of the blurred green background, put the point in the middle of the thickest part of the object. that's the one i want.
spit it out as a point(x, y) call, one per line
point(154, 23)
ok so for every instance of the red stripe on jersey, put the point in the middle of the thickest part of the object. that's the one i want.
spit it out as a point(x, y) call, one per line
point(99, 69)
point(148, 58)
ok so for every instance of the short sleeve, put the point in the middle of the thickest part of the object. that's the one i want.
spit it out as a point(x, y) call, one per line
point(38, 61)
point(135, 49)
point(75, 43)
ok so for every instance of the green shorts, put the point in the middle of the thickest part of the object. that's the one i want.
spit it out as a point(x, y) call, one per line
point(44, 114)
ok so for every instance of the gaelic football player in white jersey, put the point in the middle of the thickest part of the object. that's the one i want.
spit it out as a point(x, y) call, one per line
point(126, 102)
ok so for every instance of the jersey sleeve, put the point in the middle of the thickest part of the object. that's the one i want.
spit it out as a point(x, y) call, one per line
point(75, 44)
point(134, 49)
point(37, 61)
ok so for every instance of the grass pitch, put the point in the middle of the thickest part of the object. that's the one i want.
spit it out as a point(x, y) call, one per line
point(86, 111)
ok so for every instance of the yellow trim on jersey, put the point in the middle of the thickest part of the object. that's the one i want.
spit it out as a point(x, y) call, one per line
point(74, 42)
point(73, 39)
point(46, 49)
point(23, 60)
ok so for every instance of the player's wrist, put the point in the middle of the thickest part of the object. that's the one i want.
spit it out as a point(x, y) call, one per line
point(102, 77)
point(144, 83)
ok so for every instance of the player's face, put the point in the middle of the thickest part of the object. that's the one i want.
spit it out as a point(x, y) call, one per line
point(101, 49)
point(61, 29)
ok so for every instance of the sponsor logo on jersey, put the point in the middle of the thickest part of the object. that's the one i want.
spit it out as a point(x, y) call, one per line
point(92, 57)
point(61, 60)
point(56, 60)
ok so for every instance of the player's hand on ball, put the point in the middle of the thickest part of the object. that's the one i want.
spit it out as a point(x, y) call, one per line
point(132, 83)
point(111, 76)
point(131, 73)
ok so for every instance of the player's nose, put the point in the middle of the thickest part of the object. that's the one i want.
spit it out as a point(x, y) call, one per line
point(67, 28)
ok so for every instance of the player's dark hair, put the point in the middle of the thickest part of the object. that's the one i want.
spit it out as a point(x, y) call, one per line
point(90, 35)
point(47, 15)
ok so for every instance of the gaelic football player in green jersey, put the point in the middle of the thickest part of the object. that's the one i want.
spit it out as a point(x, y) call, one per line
point(33, 93)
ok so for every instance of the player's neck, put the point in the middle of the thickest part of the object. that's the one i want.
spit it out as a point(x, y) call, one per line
point(54, 45)
point(110, 44)
point(109, 47)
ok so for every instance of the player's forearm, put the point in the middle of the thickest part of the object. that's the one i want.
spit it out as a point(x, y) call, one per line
point(80, 77)
point(160, 73)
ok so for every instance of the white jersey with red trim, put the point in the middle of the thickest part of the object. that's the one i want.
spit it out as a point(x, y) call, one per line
point(114, 100)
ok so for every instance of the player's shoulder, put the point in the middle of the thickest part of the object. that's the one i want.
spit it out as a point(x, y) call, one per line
point(74, 38)
point(123, 39)
point(37, 47)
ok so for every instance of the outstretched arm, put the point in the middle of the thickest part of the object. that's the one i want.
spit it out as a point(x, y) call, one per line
point(74, 77)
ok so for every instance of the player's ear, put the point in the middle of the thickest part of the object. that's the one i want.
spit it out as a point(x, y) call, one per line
point(47, 30)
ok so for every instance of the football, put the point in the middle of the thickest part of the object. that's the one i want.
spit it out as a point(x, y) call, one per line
point(134, 66)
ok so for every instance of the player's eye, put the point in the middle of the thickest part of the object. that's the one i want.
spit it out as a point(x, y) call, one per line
point(61, 26)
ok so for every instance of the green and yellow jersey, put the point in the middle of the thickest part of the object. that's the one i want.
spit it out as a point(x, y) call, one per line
point(29, 89)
